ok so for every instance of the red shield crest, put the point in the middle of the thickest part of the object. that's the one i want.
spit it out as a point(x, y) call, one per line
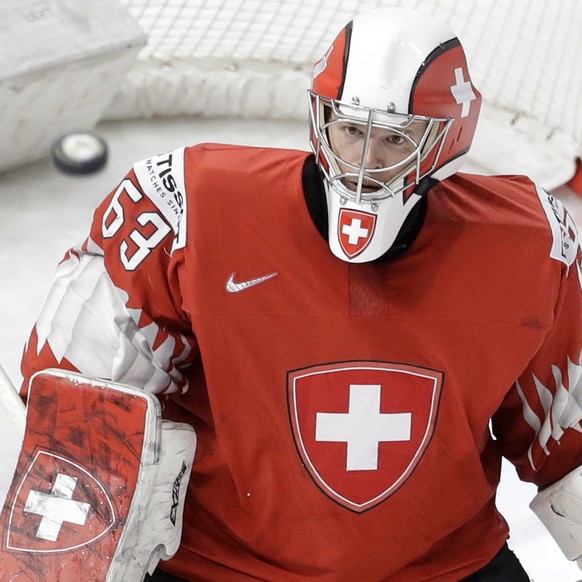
point(59, 506)
point(362, 427)
point(355, 230)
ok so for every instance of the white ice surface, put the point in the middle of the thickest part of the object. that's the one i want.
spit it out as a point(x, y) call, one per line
point(43, 213)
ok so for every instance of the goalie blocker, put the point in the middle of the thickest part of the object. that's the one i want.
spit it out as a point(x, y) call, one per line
point(559, 508)
point(99, 488)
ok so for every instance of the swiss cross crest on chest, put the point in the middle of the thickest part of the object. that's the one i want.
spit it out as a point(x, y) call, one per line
point(362, 427)
point(355, 230)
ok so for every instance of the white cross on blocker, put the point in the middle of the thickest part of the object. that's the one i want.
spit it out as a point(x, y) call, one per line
point(57, 507)
point(363, 427)
point(354, 231)
point(463, 92)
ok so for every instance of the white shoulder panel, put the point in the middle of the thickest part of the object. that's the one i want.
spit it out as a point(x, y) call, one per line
point(565, 241)
point(161, 178)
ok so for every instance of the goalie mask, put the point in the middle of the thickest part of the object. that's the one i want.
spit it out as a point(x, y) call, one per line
point(391, 105)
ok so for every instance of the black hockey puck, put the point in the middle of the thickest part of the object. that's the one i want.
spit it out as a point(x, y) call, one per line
point(79, 152)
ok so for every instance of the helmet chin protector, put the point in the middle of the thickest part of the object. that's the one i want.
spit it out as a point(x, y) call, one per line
point(394, 81)
point(363, 232)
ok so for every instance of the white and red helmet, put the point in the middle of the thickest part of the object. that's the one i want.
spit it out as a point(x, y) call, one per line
point(388, 69)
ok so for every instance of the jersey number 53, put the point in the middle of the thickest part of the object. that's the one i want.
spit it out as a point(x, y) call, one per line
point(150, 230)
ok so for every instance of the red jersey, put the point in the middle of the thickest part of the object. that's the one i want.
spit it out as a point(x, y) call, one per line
point(343, 410)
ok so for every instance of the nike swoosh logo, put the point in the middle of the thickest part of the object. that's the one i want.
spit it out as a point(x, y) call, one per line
point(233, 286)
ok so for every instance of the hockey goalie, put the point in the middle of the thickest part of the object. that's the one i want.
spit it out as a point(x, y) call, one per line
point(357, 335)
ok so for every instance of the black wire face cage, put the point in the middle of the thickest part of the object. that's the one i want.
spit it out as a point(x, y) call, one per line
point(408, 171)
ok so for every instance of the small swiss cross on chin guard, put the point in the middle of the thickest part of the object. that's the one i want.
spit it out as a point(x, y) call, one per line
point(99, 488)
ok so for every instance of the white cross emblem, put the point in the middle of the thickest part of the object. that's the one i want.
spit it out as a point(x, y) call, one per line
point(321, 65)
point(463, 92)
point(56, 507)
point(355, 231)
point(363, 427)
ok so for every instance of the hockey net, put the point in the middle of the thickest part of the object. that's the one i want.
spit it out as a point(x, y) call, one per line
point(253, 58)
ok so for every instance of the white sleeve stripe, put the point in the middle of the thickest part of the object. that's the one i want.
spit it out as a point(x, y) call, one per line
point(562, 409)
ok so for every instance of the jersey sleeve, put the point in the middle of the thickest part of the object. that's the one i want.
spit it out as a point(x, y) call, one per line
point(113, 310)
point(539, 424)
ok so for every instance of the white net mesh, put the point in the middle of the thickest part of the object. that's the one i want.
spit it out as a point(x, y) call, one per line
point(524, 54)
point(253, 58)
